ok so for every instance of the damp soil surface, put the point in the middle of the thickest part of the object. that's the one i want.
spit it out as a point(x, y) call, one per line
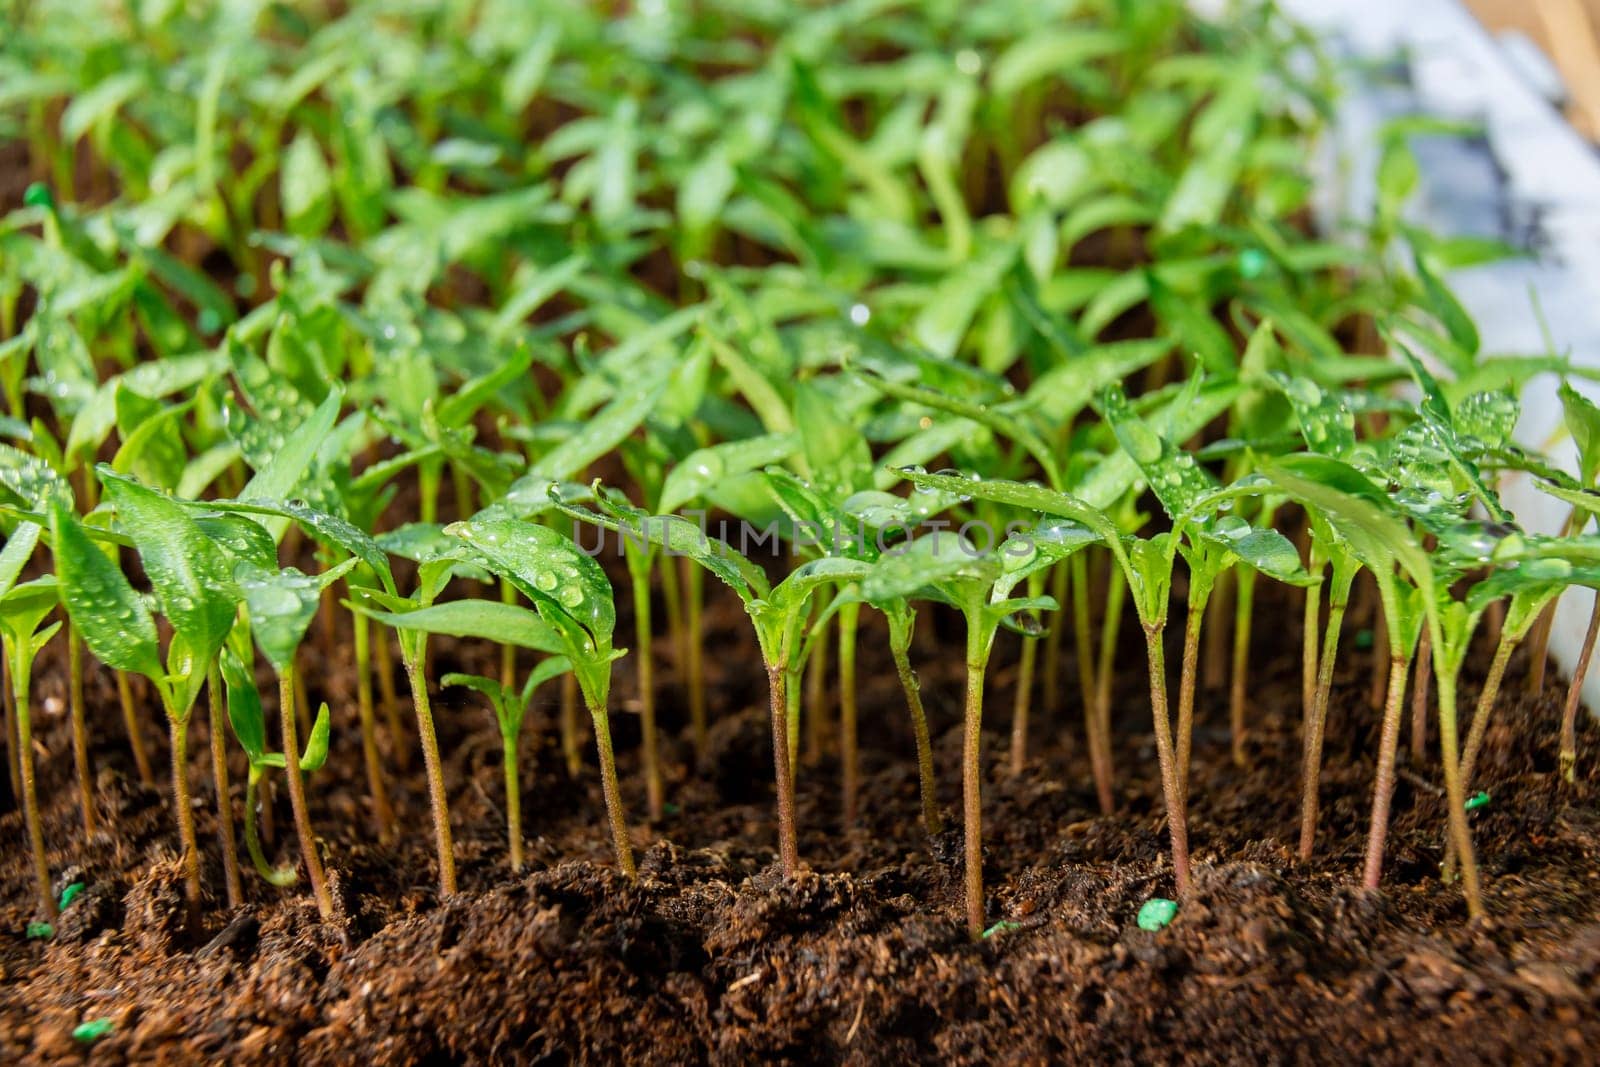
point(712, 957)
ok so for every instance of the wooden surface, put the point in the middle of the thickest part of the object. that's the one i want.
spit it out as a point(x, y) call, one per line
point(1569, 33)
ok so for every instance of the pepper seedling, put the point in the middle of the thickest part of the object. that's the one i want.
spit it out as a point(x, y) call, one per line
point(509, 708)
point(573, 596)
point(23, 608)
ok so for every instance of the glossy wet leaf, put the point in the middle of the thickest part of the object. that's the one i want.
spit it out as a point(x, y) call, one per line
point(111, 618)
point(190, 575)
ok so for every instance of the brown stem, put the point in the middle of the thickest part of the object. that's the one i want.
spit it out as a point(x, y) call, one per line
point(1539, 649)
point(1308, 652)
point(185, 811)
point(130, 722)
point(778, 690)
point(1105, 677)
point(1456, 796)
point(80, 730)
point(1020, 702)
point(13, 744)
point(1421, 680)
point(29, 788)
point(1315, 730)
point(389, 700)
point(849, 620)
point(1187, 679)
point(1569, 717)
point(621, 844)
point(972, 787)
point(1243, 613)
point(1216, 647)
point(297, 793)
point(437, 800)
point(376, 786)
point(1382, 663)
point(219, 777)
point(1088, 690)
point(1177, 817)
point(1383, 784)
point(931, 821)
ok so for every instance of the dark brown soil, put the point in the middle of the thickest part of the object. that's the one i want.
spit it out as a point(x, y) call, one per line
point(712, 957)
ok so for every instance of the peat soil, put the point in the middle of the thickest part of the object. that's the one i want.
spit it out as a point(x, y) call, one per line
point(711, 957)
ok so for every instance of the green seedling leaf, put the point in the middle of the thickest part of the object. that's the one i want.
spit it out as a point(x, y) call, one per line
point(244, 707)
point(37, 931)
point(69, 894)
point(547, 567)
point(1191, 322)
point(281, 604)
point(105, 610)
point(1476, 801)
point(189, 573)
point(290, 462)
point(14, 556)
point(488, 619)
point(1004, 926)
point(705, 469)
point(1582, 417)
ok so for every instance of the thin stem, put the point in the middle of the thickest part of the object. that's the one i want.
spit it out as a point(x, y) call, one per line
point(511, 758)
point(1383, 785)
point(816, 699)
point(282, 877)
point(1177, 816)
point(80, 731)
point(1020, 703)
point(778, 696)
point(20, 677)
point(180, 795)
point(389, 701)
point(219, 777)
point(1105, 676)
point(695, 652)
point(1569, 717)
point(1216, 649)
point(376, 786)
point(1308, 651)
point(1382, 662)
point(608, 784)
point(1316, 727)
point(437, 800)
point(13, 745)
point(1243, 614)
point(931, 820)
point(1456, 795)
point(1421, 681)
point(1485, 708)
point(972, 780)
point(1187, 681)
point(1051, 682)
point(297, 793)
point(849, 621)
point(130, 722)
point(639, 565)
